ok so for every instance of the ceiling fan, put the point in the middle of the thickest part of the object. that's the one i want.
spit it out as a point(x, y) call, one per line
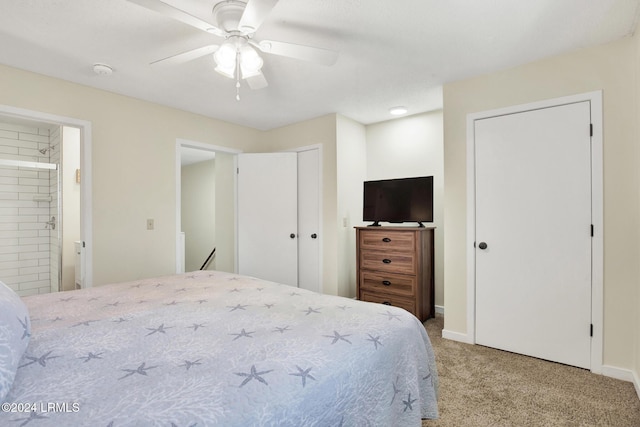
point(236, 21)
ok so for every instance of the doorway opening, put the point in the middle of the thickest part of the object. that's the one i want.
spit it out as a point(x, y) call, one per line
point(205, 207)
point(45, 200)
point(37, 250)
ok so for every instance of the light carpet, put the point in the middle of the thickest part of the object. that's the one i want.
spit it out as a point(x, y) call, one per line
point(481, 386)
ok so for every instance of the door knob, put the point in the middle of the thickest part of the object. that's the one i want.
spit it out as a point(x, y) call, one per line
point(292, 235)
point(482, 245)
point(314, 236)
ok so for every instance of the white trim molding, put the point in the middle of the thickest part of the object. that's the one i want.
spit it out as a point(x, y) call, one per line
point(597, 295)
point(618, 373)
point(457, 336)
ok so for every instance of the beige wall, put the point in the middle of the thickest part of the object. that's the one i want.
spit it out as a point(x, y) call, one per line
point(70, 204)
point(351, 167)
point(407, 147)
point(198, 213)
point(225, 212)
point(611, 68)
point(133, 165)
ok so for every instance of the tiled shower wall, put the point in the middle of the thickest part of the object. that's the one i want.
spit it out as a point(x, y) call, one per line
point(29, 248)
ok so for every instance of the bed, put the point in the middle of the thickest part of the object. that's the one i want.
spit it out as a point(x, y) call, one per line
point(211, 349)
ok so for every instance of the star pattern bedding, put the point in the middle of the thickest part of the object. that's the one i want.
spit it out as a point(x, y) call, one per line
point(218, 349)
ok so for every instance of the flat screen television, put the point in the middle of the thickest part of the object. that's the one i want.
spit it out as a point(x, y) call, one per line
point(399, 200)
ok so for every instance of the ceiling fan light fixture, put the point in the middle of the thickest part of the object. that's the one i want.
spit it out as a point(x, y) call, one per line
point(249, 73)
point(226, 71)
point(250, 62)
point(225, 56)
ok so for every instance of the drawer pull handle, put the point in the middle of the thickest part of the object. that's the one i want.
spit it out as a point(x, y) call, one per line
point(386, 261)
point(386, 303)
point(386, 283)
point(386, 240)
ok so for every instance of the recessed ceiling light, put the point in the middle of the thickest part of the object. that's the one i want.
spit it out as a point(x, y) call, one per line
point(398, 111)
point(102, 69)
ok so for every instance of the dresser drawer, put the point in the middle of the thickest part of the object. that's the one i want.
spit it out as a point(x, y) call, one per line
point(390, 262)
point(388, 283)
point(395, 301)
point(388, 240)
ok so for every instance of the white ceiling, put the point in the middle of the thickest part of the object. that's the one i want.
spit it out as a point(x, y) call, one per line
point(190, 156)
point(391, 53)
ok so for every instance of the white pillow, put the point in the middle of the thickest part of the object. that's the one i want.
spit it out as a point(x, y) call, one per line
point(15, 331)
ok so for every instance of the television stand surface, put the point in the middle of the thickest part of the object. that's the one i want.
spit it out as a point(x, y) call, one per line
point(377, 224)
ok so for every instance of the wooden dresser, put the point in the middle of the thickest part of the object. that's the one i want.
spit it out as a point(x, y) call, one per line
point(395, 267)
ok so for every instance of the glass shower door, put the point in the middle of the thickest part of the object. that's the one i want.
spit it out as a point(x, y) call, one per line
point(30, 232)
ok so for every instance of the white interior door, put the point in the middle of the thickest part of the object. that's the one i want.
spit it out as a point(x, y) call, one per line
point(267, 216)
point(533, 212)
point(309, 220)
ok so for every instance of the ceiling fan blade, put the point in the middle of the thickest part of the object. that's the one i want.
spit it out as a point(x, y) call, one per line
point(257, 81)
point(297, 51)
point(254, 14)
point(179, 15)
point(190, 55)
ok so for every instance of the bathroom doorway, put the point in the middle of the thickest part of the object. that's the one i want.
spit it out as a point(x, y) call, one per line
point(37, 159)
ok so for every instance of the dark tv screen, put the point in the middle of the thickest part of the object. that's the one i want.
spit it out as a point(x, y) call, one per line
point(399, 200)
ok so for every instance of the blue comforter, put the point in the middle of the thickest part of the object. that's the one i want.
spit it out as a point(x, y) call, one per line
point(218, 349)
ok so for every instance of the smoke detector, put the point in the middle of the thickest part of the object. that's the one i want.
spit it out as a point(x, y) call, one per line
point(102, 69)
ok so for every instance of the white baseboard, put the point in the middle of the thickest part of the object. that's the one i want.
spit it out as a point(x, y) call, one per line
point(617, 373)
point(456, 336)
point(624, 375)
point(439, 309)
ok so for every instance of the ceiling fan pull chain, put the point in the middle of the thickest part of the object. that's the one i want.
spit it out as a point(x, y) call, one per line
point(238, 75)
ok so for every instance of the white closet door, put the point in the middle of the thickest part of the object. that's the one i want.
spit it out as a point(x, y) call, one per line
point(533, 212)
point(309, 220)
point(267, 216)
